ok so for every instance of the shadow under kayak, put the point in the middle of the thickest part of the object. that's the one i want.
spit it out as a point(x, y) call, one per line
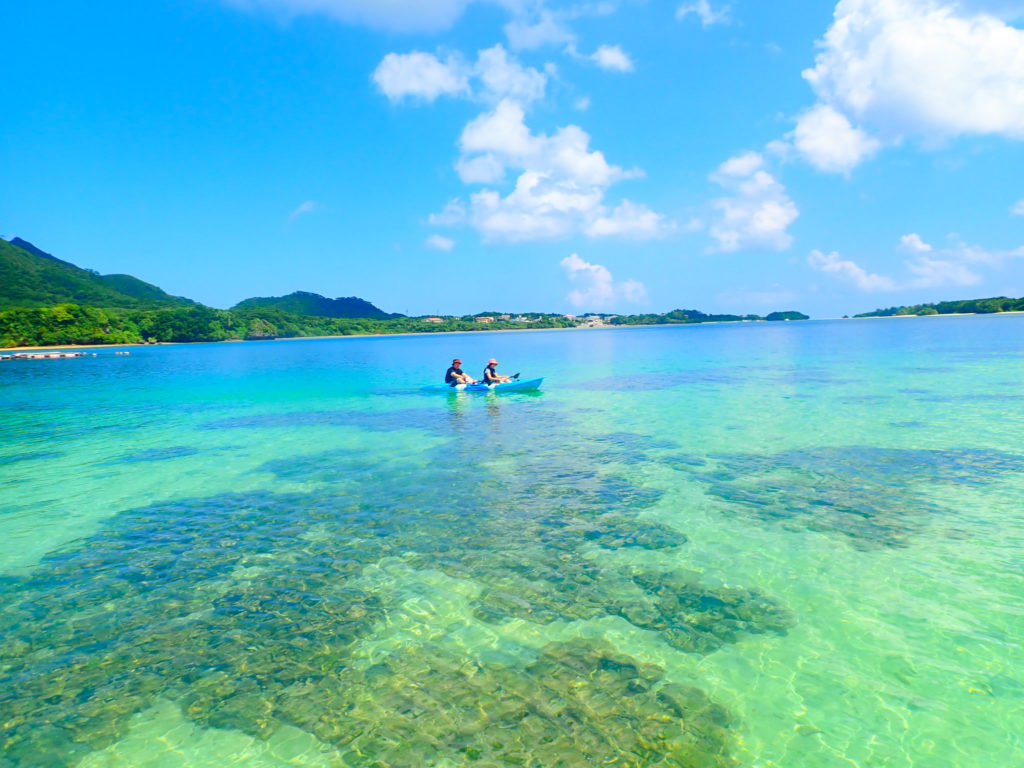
point(510, 386)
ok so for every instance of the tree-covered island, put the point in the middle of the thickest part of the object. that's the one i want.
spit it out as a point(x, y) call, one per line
point(961, 307)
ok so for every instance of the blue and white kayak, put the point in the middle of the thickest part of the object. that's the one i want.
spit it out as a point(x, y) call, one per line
point(509, 386)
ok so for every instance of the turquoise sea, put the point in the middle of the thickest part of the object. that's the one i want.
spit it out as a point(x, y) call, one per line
point(773, 544)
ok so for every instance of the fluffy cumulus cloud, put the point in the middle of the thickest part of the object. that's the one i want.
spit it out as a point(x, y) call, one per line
point(757, 213)
point(929, 68)
point(595, 288)
point(393, 15)
point(420, 75)
point(560, 184)
point(1018, 208)
point(494, 75)
point(829, 142)
point(613, 58)
point(704, 11)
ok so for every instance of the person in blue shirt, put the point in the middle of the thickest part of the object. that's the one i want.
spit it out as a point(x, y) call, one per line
point(455, 376)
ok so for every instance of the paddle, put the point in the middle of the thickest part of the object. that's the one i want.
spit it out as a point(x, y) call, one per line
point(514, 377)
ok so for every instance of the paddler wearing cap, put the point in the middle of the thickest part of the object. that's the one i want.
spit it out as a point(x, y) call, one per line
point(454, 375)
point(491, 376)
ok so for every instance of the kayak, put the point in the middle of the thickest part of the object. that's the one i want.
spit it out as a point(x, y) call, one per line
point(526, 385)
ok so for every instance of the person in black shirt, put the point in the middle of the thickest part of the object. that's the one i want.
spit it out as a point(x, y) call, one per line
point(454, 375)
point(491, 374)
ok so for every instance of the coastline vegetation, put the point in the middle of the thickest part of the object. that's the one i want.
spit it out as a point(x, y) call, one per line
point(66, 324)
point(45, 301)
point(73, 324)
point(962, 307)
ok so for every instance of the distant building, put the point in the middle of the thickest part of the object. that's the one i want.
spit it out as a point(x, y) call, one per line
point(433, 319)
point(486, 319)
point(504, 317)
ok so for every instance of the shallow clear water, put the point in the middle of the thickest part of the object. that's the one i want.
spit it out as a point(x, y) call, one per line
point(791, 544)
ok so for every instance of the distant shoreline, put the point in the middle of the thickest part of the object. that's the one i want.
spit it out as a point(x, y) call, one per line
point(57, 347)
point(939, 314)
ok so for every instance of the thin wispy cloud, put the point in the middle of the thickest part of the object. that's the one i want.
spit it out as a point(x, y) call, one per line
point(957, 264)
point(708, 14)
point(439, 243)
point(307, 207)
point(394, 15)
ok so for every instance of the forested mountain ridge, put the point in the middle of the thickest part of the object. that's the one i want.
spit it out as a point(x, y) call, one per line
point(30, 277)
point(306, 303)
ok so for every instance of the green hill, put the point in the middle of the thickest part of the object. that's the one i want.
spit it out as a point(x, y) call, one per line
point(30, 277)
point(305, 303)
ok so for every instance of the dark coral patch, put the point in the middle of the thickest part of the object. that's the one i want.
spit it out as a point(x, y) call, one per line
point(870, 496)
point(246, 610)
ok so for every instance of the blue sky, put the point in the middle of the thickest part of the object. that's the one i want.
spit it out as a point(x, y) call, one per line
point(456, 156)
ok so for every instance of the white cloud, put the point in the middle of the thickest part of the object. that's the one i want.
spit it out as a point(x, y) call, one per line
point(829, 142)
point(393, 15)
point(759, 211)
point(929, 68)
point(913, 243)
point(850, 271)
point(420, 75)
point(503, 77)
point(560, 188)
point(439, 243)
point(741, 165)
point(582, 104)
point(929, 272)
point(629, 220)
point(596, 288)
point(425, 76)
point(454, 213)
point(926, 266)
point(538, 208)
point(704, 10)
point(975, 254)
point(547, 30)
point(612, 57)
point(1018, 208)
point(307, 207)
